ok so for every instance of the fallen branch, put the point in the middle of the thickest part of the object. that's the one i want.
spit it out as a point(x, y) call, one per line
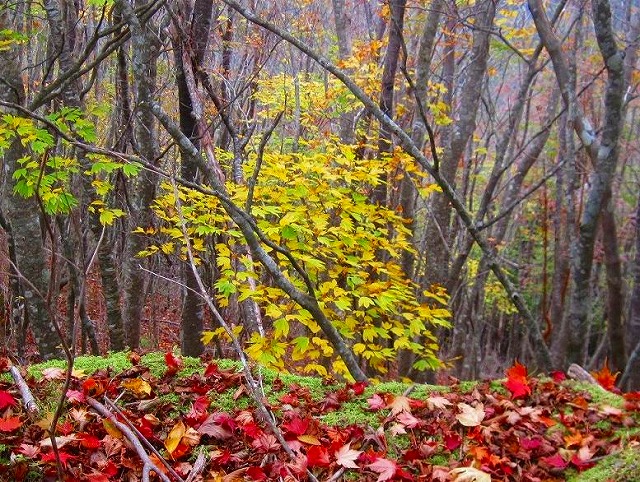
point(142, 439)
point(576, 372)
point(28, 400)
point(148, 465)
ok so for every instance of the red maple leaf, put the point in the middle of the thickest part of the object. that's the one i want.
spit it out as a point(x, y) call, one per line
point(558, 376)
point(50, 457)
point(517, 382)
point(605, 378)
point(28, 450)
point(296, 426)
point(556, 461)
point(256, 473)
point(530, 444)
point(76, 396)
point(452, 441)
point(174, 364)
point(89, 441)
point(384, 467)
point(376, 402)
point(318, 456)
point(358, 387)
point(211, 370)
point(10, 424)
point(92, 387)
point(6, 400)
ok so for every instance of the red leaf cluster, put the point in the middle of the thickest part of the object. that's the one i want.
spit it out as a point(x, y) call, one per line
point(536, 433)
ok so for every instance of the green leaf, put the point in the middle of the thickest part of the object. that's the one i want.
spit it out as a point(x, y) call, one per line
point(225, 287)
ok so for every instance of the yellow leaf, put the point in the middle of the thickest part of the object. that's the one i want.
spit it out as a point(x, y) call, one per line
point(309, 439)
point(138, 386)
point(111, 429)
point(174, 437)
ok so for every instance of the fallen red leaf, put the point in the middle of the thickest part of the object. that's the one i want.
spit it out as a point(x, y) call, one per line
point(256, 473)
point(452, 441)
point(318, 456)
point(10, 424)
point(384, 467)
point(556, 461)
point(517, 382)
point(6, 400)
point(174, 364)
point(50, 457)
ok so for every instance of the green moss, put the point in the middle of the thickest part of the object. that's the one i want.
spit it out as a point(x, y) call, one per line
point(88, 364)
point(353, 412)
point(439, 459)
point(598, 395)
point(467, 386)
point(620, 467)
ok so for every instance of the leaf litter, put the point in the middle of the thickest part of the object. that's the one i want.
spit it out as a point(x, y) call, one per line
point(535, 430)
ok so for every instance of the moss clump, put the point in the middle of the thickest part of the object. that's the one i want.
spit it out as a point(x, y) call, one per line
point(88, 364)
point(598, 395)
point(620, 467)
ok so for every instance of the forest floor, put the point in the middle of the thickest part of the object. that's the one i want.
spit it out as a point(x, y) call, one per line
point(195, 420)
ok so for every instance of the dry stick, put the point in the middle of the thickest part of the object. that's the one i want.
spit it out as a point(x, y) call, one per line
point(142, 438)
point(198, 466)
point(27, 397)
point(148, 463)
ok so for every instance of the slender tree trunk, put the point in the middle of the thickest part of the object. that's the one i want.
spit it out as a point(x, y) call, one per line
point(601, 179)
point(385, 143)
point(615, 297)
point(23, 216)
point(142, 188)
point(456, 138)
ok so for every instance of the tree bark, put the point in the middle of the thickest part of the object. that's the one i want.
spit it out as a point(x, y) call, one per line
point(23, 216)
point(142, 188)
point(601, 179)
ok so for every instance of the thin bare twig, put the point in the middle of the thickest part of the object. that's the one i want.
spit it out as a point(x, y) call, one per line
point(148, 464)
point(28, 400)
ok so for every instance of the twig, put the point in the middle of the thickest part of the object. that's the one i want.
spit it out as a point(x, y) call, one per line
point(148, 465)
point(27, 397)
point(198, 466)
point(142, 438)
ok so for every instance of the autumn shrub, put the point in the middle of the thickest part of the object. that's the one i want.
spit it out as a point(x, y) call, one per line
point(316, 205)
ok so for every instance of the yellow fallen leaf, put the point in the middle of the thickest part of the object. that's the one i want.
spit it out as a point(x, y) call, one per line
point(174, 437)
point(139, 387)
point(111, 429)
point(309, 439)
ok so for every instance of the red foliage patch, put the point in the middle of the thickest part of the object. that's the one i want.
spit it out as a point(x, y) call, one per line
point(538, 431)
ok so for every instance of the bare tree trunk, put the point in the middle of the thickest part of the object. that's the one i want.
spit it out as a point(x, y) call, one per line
point(456, 139)
point(615, 297)
point(23, 216)
point(142, 188)
point(632, 371)
point(385, 143)
point(601, 179)
point(341, 22)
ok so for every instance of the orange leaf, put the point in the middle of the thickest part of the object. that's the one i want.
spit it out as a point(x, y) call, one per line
point(605, 378)
point(10, 424)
